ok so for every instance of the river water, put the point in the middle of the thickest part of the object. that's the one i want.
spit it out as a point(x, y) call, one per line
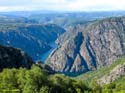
point(46, 55)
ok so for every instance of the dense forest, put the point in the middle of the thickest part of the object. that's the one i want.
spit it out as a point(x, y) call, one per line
point(36, 80)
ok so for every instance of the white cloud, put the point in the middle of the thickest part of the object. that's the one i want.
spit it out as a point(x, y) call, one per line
point(98, 5)
point(14, 8)
point(91, 5)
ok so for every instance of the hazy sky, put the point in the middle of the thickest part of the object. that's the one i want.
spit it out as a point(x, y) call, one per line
point(63, 5)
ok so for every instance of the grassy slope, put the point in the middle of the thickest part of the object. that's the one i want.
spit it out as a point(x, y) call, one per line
point(93, 75)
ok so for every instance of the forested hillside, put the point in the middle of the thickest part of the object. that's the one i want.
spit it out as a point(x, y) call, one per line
point(32, 38)
point(36, 80)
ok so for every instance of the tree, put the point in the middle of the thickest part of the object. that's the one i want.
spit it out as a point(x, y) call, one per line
point(35, 79)
point(8, 79)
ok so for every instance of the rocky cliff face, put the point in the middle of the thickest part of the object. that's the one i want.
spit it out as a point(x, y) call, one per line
point(94, 45)
point(113, 75)
point(14, 58)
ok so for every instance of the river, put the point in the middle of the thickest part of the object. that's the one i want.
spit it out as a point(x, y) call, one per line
point(46, 55)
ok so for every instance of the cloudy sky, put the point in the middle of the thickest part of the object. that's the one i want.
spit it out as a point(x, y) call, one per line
point(62, 5)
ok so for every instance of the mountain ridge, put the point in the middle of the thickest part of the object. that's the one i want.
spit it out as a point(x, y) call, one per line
point(32, 38)
point(98, 48)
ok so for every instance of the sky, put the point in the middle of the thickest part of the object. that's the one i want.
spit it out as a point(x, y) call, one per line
point(62, 5)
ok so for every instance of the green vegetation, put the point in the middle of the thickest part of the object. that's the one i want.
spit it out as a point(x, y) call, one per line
point(36, 80)
point(94, 75)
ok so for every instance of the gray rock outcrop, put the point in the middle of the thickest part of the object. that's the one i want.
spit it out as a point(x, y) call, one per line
point(93, 46)
point(115, 74)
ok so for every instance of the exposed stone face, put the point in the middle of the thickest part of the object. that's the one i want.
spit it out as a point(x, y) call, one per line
point(14, 58)
point(106, 46)
point(67, 54)
point(116, 73)
point(78, 65)
point(100, 43)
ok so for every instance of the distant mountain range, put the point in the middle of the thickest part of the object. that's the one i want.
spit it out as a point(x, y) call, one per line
point(63, 18)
